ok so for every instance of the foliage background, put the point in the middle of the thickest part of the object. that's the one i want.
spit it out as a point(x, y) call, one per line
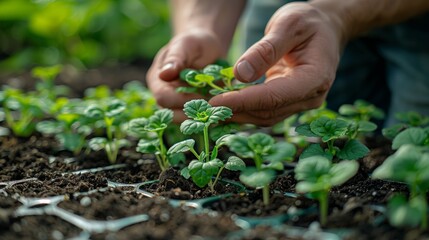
point(83, 33)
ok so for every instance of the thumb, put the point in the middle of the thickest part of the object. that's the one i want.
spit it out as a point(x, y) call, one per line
point(173, 60)
point(260, 57)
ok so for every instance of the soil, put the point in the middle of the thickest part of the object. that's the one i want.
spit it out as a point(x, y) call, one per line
point(91, 188)
point(355, 205)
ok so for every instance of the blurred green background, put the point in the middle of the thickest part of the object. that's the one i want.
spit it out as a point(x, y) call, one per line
point(82, 33)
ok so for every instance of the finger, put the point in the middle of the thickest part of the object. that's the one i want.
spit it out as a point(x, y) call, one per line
point(273, 116)
point(283, 34)
point(195, 50)
point(296, 86)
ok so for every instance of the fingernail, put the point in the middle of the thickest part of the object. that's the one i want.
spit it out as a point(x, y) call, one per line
point(245, 70)
point(167, 66)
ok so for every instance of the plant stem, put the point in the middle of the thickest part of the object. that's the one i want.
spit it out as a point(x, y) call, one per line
point(206, 142)
point(323, 202)
point(266, 194)
point(258, 161)
point(158, 159)
point(217, 177)
point(163, 152)
point(215, 86)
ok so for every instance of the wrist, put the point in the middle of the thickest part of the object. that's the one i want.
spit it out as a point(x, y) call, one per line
point(337, 16)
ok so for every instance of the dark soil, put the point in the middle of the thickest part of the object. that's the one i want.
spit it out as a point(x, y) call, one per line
point(351, 205)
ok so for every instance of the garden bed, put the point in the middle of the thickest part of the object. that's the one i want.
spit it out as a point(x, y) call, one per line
point(246, 183)
point(353, 206)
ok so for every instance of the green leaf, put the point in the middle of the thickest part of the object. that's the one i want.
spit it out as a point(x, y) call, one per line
point(145, 146)
point(305, 130)
point(353, 149)
point(257, 179)
point(194, 107)
point(239, 145)
point(185, 173)
point(71, 141)
point(115, 107)
point(260, 143)
point(185, 72)
point(212, 166)
point(414, 135)
point(392, 131)
point(217, 114)
point(281, 151)
point(405, 214)
point(235, 164)
point(310, 187)
point(200, 176)
point(366, 126)
point(312, 168)
point(328, 128)
point(228, 72)
point(97, 143)
point(342, 171)
point(138, 125)
point(347, 110)
point(49, 127)
point(94, 111)
point(182, 146)
point(224, 140)
point(213, 71)
point(161, 118)
point(315, 150)
point(189, 127)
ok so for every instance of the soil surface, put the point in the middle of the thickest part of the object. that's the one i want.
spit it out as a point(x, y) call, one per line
point(44, 190)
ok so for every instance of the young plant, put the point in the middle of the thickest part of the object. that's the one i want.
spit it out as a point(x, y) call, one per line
point(70, 126)
point(46, 87)
point(110, 114)
point(157, 123)
point(407, 120)
point(286, 128)
point(329, 130)
point(21, 110)
point(410, 164)
point(207, 165)
point(361, 110)
point(417, 136)
point(207, 80)
point(317, 175)
point(268, 156)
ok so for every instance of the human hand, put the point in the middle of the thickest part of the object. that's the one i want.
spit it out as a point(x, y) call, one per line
point(299, 55)
point(193, 49)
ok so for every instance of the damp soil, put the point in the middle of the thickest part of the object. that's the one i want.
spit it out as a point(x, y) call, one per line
point(356, 205)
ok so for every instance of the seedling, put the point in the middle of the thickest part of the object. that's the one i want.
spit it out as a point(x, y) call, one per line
point(206, 166)
point(207, 80)
point(361, 111)
point(21, 110)
point(157, 123)
point(414, 135)
point(330, 130)
point(110, 114)
point(286, 128)
point(407, 120)
point(70, 126)
point(410, 164)
point(46, 87)
point(317, 175)
point(268, 156)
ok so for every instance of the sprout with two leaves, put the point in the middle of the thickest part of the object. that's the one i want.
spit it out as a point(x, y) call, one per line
point(268, 156)
point(207, 165)
point(21, 110)
point(109, 114)
point(70, 126)
point(410, 165)
point(317, 175)
point(157, 123)
point(329, 130)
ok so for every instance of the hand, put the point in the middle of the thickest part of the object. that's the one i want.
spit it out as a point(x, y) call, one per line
point(193, 49)
point(299, 54)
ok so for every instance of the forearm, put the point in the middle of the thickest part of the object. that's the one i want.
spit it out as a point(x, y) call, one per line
point(359, 16)
point(219, 16)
